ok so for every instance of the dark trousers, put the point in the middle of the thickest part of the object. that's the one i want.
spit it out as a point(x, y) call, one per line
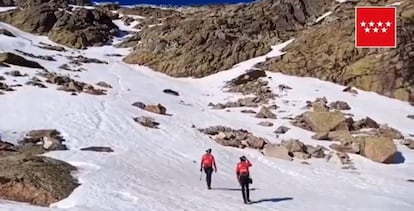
point(244, 182)
point(209, 172)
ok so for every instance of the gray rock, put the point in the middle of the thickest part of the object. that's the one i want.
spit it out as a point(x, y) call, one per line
point(266, 113)
point(281, 130)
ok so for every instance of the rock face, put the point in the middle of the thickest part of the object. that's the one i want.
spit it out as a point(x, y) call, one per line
point(211, 40)
point(327, 52)
point(79, 28)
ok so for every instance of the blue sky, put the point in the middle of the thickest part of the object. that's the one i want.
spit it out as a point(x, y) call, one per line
point(174, 2)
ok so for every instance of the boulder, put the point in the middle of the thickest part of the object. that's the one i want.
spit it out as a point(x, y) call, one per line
point(293, 145)
point(316, 152)
point(249, 76)
point(379, 149)
point(265, 113)
point(147, 121)
point(301, 155)
point(98, 149)
point(11, 58)
point(340, 105)
point(324, 121)
point(282, 130)
point(158, 109)
point(265, 124)
point(171, 92)
point(277, 151)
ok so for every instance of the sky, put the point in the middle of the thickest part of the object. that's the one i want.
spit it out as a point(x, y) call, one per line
point(175, 2)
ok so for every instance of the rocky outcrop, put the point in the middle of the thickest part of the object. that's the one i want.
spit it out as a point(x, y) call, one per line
point(98, 149)
point(78, 28)
point(328, 52)
point(149, 12)
point(6, 33)
point(409, 143)
point(378, 148)
point(11, 58)
point(68, 84)
point(207, 41)
point(27, 177)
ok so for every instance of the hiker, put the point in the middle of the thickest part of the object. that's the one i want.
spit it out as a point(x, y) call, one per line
point(207, 163)
point(243, 176)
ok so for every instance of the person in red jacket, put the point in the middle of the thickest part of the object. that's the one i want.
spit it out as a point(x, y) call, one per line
point(243, 176)
point(208, 163)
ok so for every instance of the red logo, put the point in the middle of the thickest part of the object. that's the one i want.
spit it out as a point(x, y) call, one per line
point(375, 27)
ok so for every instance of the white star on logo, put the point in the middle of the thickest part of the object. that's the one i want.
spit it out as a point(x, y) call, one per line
point(384, 30)
point(367, 30)
point(375, 30)
point(363, 24)
point(388, 23)
point(379, 23)
point(371, 24)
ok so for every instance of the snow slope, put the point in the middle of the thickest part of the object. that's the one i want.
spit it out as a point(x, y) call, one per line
point(158, 169)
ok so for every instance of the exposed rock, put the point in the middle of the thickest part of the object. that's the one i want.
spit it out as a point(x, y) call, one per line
point(5, 87)
point(319, 105)
point(342, 136)
point(158, 109)
point(6, 146)
point(327, 51)
point(252, 75)
point(47, 58)
point(7, 3)
point(11, 58)
point(316, 152)
point(410, 180)
point(277, 151)
point(81, 59)
point(16, 73)
point(408, 142)
point(70, 85)
point(321, 136)
point(220, 37)
point(249, 111)
point(410, 116)
point(5, 32)
point(265, 124)
point(260, 88)
point(140, 105)
point(103, 84)
point(321, 121)
point(339, 105)
point(51, 47)
point(377, 148)
point(79, 28)
point(365, 123)
point(148, 11)
point(36, 180)
point(147, 121)
point(350, 90)
point(49, 139)
point(390, 132)
point(301, 155)
point(236, 138)
point(129, 42)
point(98, 149)
point(339, 158)
point(265, 113)
point(281, 130)
point(293, 145)
point(171, 92)
point(350, 147)
point(2, 78)
point(127, 20)
point(283, 87)
point(35, 82)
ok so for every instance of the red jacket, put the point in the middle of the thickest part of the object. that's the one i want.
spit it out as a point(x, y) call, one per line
point(208, 161)
point(243, 167)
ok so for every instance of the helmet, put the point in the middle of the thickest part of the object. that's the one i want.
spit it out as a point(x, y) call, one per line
point(208, 150)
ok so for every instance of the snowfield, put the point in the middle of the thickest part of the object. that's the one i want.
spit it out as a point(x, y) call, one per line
point(158, 169)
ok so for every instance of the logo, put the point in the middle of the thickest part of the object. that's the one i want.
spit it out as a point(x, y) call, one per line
point(375, 27)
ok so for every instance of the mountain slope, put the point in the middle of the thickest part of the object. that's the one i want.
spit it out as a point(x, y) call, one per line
point(157, 169)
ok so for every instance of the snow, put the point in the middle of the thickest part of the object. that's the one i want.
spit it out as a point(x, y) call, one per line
point(323, 16)
point(158, 169)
